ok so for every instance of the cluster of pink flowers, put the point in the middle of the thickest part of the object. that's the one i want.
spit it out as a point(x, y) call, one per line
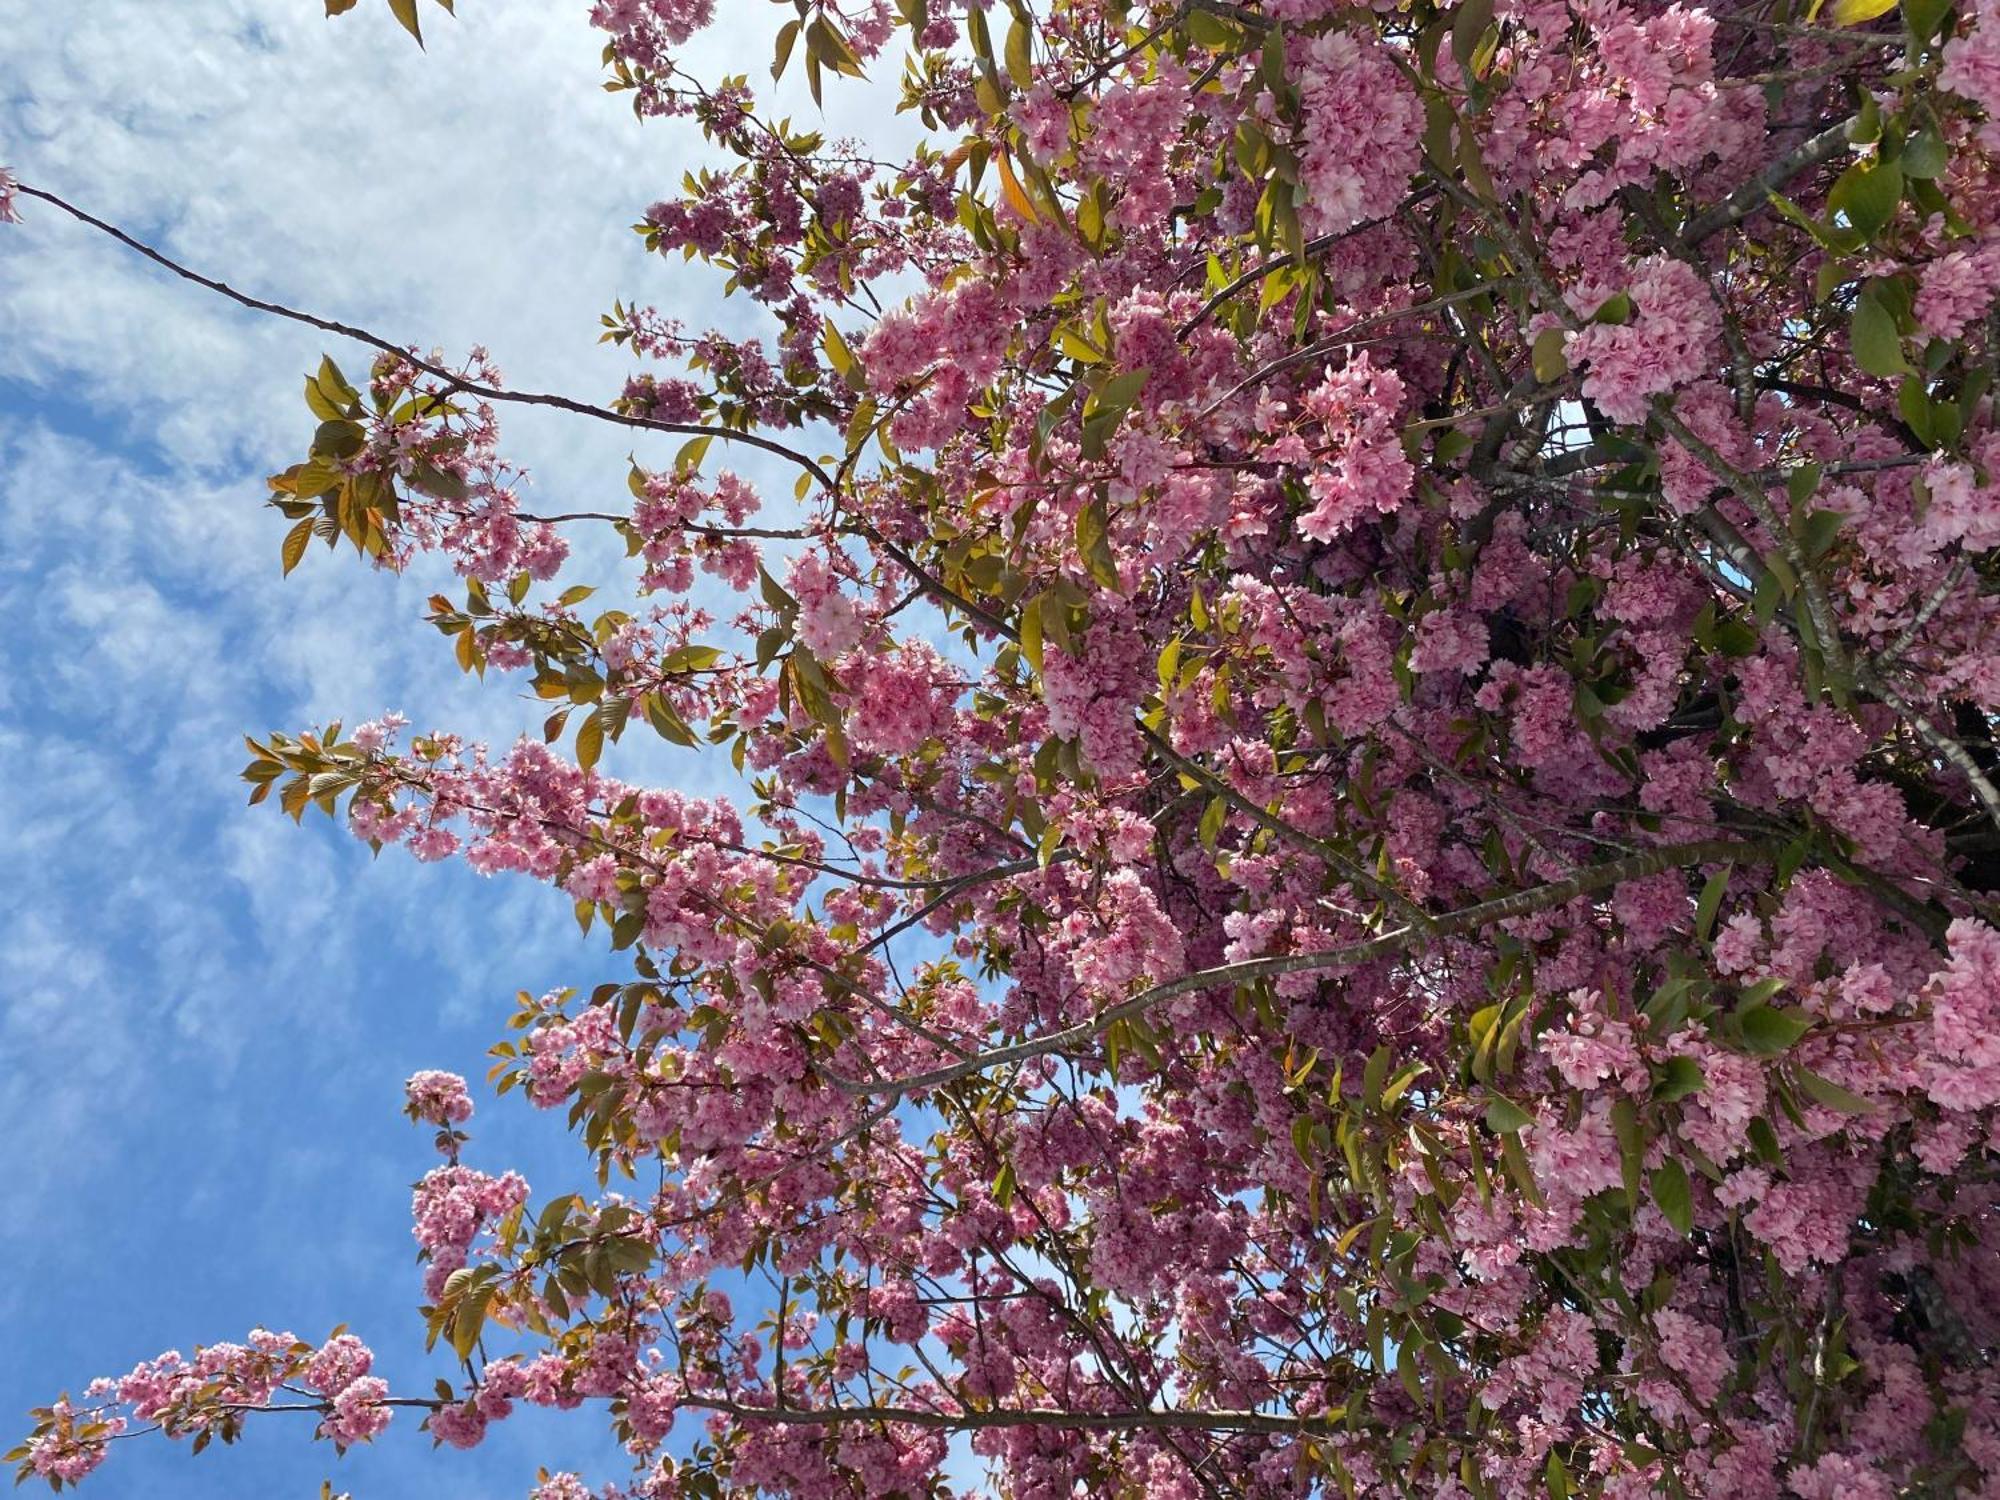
point(1363, 129)
point(449, 1206)
point(1132, 131)
point(1965, 1021)
point(438, 1098)
point(829, 622)
point(339, 1371)
point(1664, 344)
point(62, 1454)
point(646, 33)
point(1972, 66)
point(1362, 472)
point(1957, 288)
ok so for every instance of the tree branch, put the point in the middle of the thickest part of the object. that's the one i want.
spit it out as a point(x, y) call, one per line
point(1756, 193)
point(1153, 1419)
point(376, 341)
point(1401, 940)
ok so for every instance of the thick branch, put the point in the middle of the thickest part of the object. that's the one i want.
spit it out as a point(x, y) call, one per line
point(1756, 193)
point(1153, 1419)
point(1401, 940)
point(1954, 754)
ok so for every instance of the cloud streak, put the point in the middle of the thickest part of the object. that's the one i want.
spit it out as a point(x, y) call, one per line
point(208, 1012)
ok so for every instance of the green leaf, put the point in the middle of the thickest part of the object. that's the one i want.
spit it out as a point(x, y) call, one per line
point(1867, 195)
point(1818, 532)
point(1825, 1091)
point(1924, 17)
point(1631, 1147)
point(1375, 1075)
point(1302, 1137)
point(322, 406)
point(340, 438)
point(841, 356)
point(693, 451)
point(788, 35)
point(774, 592)
point(1400, 1084)
point(1020, 55)
point(1674, 1194)
point(1765, 989)
point(1550, 362)
point(1504, 1116)
point(439, 482)
point(1519, 1169)
point(1408, 1374)
point(830, 45)
point(1468, 25)
point(1768, 1030)
point(1801, 482)
point(1677, 1078)
point(1865, 129)
point(1117, 393)
point(1093, 544)
point(1878, 346)
point(1925, 155)
point(468, 1319)
point(1030, 629)
point(1913, 402)
point(980, 37)
point(1616, 309)
point(1212, 818)
point(1858, 12)
point(689, 659)
point(334, 384)
point(589, 742)
point(1711, 902)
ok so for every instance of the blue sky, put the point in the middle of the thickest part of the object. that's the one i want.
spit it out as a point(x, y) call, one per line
point(206, 1012)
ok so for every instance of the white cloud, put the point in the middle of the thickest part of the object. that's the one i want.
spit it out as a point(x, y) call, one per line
point(202, 1006)
point(480, 192)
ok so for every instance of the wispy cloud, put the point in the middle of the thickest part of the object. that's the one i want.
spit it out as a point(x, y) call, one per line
point(206, 1012)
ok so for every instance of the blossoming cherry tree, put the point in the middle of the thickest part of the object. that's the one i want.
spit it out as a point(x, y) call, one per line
point(1370, 841)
